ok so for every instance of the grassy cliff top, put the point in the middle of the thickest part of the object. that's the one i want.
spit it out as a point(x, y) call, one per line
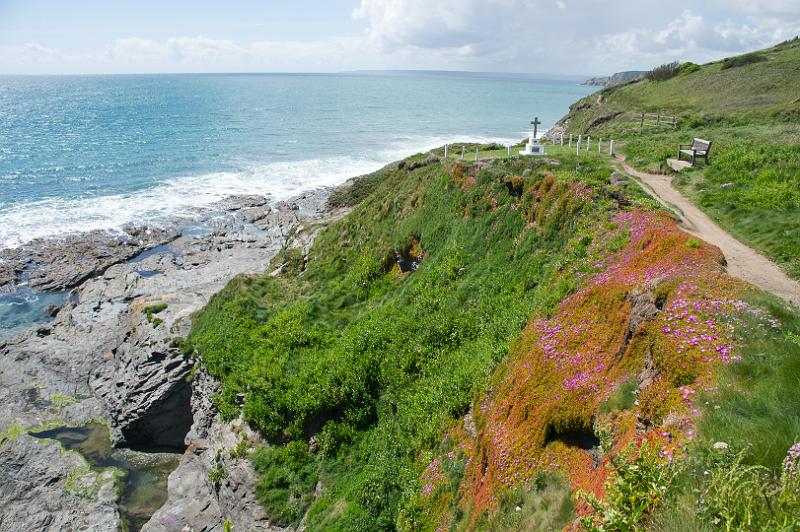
point(758, 85)
point(477, 342)
point(749, 108)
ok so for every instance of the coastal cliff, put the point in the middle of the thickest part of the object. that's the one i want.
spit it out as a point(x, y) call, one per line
point(615, 79)
point(112, 353)
point(482, 345)
point(526, 343)
point(490, 345)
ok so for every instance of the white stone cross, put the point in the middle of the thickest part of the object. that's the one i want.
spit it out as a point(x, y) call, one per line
point(535, 122)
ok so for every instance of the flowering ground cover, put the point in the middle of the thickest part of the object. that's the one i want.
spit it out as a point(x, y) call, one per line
point(489, 346)
point(660, 313)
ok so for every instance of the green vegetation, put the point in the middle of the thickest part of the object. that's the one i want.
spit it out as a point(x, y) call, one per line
point(546, 505)
point(751, 186)
point(14, 431)
point(216, 475)
point(623, 397)
point(242, 450)
point(640, 481)
point(376, 363)
point(738, 475)
point(60, 400)
point(664, 72)
point(150, 312)
point(288, 477)
point(741, 60)
point(86, 481)
point(360, 370)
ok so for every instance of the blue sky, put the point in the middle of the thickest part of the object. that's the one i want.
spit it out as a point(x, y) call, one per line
point(84, 25)
point(533, 36)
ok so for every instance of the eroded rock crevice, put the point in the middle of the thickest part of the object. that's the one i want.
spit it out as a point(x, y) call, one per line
point(165, 424)
point(580, 437)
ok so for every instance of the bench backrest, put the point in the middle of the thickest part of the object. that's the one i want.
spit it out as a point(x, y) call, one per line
point(701, 145)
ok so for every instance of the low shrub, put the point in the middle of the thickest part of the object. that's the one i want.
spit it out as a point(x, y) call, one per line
point(664, 72)
point(688, 67)
point(217, 475)
point(741, 60)
point(287, 481)
point(639, 483)
point(150, 312)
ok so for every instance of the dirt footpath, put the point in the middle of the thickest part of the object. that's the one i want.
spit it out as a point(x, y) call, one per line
point(743, 262)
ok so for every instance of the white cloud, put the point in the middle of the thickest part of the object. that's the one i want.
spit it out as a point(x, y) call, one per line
point(763, 7)
point(688, 37)
point(586, 36)
point(136, 49)
point(30, 52)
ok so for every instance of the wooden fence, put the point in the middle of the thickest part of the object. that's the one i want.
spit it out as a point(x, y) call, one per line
point(658, 120)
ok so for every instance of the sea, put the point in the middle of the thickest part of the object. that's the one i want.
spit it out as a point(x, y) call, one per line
point(79, 153)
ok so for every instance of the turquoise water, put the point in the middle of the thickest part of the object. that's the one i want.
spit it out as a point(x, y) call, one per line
point(142, 475)
point(98, 152)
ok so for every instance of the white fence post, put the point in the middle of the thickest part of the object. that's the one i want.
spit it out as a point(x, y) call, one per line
point(570, 141)
point(462, 151)
point(611, 148)
point(600, 145)
point(508, 155)
point(562, 139)
point(578, 150)
point(445, 151)
point(588, 142)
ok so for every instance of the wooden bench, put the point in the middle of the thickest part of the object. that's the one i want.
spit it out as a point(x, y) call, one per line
point(698, 148)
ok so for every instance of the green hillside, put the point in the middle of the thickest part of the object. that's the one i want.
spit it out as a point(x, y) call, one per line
point(397, 373)
point(529, 344)
point(749, 107)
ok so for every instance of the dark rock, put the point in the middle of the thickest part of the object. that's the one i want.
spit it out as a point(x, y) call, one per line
point(58, 264)
point(240, 201)
point(139, 379)
point(46, 489)
point(618, 179)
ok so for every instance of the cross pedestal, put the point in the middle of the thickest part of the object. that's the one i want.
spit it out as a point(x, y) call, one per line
point(533, 147)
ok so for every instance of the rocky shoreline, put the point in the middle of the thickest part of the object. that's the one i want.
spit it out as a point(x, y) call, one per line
point(110, 354)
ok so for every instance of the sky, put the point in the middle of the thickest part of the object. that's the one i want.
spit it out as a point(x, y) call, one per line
point(591, 37)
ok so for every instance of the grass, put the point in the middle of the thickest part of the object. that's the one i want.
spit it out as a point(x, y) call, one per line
point(754, 410)
point(748, 107)
point(14, 431)
point(546, 505)
point(751, 186)
point(375, 363)
point(362, 374)
point(60, 400)
point(150, 312)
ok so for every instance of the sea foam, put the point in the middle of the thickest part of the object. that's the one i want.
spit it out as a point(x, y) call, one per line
point(186, 196)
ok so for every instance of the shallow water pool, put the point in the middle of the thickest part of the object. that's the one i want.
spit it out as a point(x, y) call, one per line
point(144, 474)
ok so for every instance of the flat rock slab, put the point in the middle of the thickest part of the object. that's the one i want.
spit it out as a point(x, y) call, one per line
point(677, 165)
point(109, 360)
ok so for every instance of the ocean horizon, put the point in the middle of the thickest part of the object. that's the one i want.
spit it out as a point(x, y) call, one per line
point(81, 153)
